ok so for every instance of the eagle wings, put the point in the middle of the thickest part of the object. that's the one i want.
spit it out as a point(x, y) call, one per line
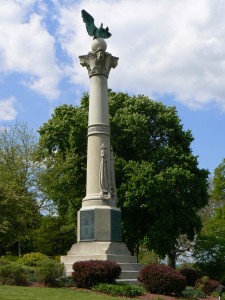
point(92, 29)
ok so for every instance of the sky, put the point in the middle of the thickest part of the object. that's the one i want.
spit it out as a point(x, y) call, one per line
point(171, 51)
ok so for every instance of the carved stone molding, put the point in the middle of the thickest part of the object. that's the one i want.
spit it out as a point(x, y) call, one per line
point(98, 62)
point(98, 129)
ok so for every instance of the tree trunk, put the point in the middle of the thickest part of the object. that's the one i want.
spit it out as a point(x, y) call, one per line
point(171, 260)
point(19, 248)
point(137, 251)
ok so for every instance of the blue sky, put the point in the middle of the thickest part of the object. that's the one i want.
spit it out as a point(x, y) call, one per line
point(172, 51)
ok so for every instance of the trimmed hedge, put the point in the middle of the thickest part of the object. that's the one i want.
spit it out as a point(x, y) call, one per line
point(89, 273)
point(191, 275)
point(161, 279)
point(206, 285)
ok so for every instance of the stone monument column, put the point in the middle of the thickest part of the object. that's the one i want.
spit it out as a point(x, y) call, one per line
point(99, 219)
point(100, 189)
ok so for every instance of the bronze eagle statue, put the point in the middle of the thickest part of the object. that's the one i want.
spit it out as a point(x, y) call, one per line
point(92, 29)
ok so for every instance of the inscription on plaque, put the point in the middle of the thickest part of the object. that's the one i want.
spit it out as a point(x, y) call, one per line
point(87, 223)
point(116, 226)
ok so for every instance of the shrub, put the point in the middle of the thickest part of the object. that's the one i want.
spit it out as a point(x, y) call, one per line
point(191, 275)
point(161, 279)
point(12, 274)
point(49, 271)
point(206, 285)
point(120, 289)
point(191, 292)
point(3, 261)
point(65, 281)
point(89, 273)
point(32, 259)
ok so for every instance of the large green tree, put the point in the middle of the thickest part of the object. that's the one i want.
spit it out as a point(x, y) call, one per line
point(160, 186)
point(19, 211)
point(62, 152)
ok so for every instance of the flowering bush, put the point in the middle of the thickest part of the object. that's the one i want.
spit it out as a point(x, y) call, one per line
point(161, 279)
point(89, 273)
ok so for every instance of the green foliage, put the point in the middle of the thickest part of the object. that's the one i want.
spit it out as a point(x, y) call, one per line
point(161, 279)
point(120, 289)
point(206, 285)
point(219, 183)
point(12, 274)
point(65, 281)
point(89, 273)
point(192, 293)
point(49, 271)
point(18, 206)
point(209, 250)
point(32, 259)
point(157, 176)
point(54, 236)
point(147, 257)
point(191, 275)
point(62, 146)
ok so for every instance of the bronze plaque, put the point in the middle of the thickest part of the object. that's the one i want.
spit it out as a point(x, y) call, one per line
point(87, 225)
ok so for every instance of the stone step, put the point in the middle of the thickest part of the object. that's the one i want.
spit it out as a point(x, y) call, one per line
point(129, 275)
point(129, 281)
point(70, 259)
point(131, 266)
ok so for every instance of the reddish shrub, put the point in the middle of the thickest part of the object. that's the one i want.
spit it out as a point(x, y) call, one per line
point(191, 275)
point(89, 273)
point(162, 279)
point(206, 285)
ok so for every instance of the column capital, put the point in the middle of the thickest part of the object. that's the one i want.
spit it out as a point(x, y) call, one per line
point(98, 62)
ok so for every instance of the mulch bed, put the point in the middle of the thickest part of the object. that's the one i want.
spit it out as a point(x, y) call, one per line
point(145, 297)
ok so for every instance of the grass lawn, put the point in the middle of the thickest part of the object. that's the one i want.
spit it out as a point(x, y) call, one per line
point(43, 293)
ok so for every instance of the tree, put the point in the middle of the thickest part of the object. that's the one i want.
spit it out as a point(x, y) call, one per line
point(209, 250)
point(158, 177)
point(62, 151)
point(218, 193)
point(160, 186)
point(53, 237)
point(18, 206)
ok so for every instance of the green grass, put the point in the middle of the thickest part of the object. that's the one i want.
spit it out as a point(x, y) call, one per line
point(44, 293)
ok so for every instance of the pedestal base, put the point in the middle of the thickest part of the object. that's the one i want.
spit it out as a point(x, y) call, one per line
point(99, 223)
point(115, 251)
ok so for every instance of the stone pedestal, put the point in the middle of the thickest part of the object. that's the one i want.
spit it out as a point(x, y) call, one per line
point(99, 219)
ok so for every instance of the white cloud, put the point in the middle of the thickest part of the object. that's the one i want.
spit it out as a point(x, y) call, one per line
point(165, 47)
point(27, 47)
point(7, 109)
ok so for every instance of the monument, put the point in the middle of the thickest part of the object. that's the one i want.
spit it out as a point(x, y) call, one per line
point(99, 219)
